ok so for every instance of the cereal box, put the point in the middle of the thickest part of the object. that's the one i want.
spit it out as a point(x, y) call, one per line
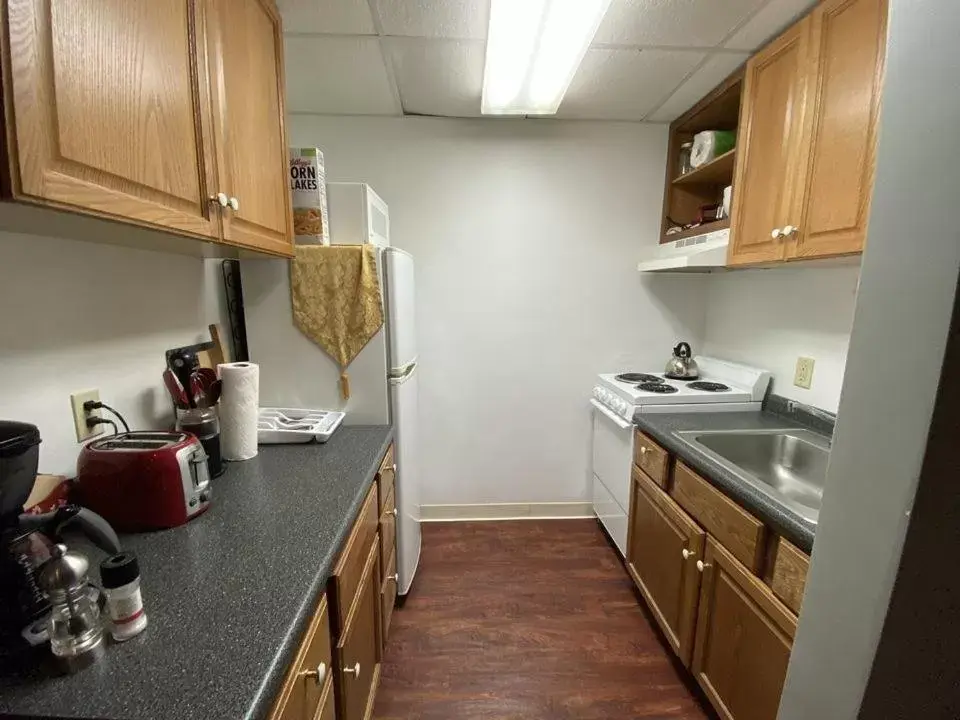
point(308, 189)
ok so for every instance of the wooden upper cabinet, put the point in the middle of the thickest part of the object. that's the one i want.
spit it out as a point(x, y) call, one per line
point(102, 111)
point(245, 48)
point(844, 83)
point(744, 639)
point(663, 547)
point(769, 175)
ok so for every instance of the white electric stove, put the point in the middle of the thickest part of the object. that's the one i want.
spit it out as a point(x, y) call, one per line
point(618, 398)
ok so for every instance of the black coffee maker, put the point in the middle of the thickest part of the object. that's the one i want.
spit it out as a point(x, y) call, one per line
point(26, 540)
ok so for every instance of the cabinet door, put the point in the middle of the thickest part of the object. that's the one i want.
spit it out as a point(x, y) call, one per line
point(849, 38)
point(106, 111)
point(358, 651)
point(245, 47)
point(662, 552)
point(768, 182)
point(310, 680)
point(744, 638)
point(388, 598)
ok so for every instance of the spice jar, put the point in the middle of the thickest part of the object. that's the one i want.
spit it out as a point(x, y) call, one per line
point(120, 575)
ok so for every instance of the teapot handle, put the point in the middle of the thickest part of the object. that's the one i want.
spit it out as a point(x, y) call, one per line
point(683, 350)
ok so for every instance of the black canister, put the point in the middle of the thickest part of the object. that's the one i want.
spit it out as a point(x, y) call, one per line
point(205, 424)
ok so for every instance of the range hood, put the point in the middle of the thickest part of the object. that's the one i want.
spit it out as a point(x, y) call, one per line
point(699, 253)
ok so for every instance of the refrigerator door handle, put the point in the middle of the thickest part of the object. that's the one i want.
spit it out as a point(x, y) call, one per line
point(398, 375)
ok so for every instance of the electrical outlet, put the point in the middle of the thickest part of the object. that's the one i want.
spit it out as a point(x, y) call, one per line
point(80, 415)
point(803, 377)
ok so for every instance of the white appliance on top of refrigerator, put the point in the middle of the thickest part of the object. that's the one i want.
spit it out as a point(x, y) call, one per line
point(294, 372)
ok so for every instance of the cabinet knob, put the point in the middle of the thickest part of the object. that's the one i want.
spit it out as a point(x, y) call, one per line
point(687, 554)
point(234, 204)
point(394, 468)
point(221, 199)
point(319, 675)
point(777, 233)
point(391, 512)
point(393, 578)
point(790, 230)
point(643, 450)
point(355, 670)
point(701, 565)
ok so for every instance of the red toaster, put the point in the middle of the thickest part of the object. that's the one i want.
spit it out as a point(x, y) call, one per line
point(144, 480)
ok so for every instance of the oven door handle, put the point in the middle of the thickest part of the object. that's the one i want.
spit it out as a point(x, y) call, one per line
point(619, 421)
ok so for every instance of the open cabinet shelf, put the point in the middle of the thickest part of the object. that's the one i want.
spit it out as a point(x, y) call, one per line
point(684, 196)
point(718, 171)
point(698, 230)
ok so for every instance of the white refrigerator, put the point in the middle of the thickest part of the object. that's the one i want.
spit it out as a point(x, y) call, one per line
point(294, 372)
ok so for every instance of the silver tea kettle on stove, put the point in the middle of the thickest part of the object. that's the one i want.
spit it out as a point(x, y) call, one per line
point(682, 366)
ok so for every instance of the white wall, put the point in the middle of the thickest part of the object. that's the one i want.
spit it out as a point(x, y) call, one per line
point(79, 315)
point(768, 318)
point(909, 281)
point(526, 236)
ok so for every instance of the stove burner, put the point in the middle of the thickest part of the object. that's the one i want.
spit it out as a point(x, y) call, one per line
point(708, 386)
point(638, 378)
point(657, 387)
point(668, 376)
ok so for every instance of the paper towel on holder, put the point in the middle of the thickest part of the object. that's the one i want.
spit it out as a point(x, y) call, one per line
point(239, 407)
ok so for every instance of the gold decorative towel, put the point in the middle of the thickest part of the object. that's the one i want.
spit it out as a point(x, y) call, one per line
point(336, 299)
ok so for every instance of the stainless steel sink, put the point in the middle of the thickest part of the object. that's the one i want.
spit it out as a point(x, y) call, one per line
point(789, 466)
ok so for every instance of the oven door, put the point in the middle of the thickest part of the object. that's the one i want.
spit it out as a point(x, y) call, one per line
point(612, 458)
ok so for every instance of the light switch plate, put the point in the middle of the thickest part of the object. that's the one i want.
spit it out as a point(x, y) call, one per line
point(803, 377)
point(80, 415)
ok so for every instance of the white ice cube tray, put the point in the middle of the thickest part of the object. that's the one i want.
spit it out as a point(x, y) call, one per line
point(296, 425)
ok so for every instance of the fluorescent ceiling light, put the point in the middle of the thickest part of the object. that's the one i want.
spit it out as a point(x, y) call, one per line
point(534, 47)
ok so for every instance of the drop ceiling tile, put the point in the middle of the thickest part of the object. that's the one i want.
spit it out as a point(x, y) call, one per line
point(678, 23)
point(312, 87)
point(773, 17)
point(625, 84)
point(438, 77)
point(341, 17)
point(459, 19)
point(714, 71)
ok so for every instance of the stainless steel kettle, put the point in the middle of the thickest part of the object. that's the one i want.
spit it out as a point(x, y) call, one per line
point(682, 366)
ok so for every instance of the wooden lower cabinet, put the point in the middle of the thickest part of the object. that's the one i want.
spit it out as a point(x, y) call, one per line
point(723, 621)
point(357, 660)
point(743, 640)
point(662, 549)
point(308, 691)
point(388, 596)
point(328, 707)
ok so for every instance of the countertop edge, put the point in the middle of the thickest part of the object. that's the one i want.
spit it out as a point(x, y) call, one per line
point(273, 680)
point(793, 529)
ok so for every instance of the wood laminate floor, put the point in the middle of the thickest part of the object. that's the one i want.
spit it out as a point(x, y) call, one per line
point(529, 619)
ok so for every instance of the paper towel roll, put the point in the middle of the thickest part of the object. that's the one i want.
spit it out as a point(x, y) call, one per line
point(239, 405)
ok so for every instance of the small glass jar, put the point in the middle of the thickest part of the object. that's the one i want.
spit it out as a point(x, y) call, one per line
point(684, 165)
point(75, 627)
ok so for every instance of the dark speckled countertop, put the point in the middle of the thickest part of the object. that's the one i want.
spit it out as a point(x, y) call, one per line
point(228, 596)
point(664, 428)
